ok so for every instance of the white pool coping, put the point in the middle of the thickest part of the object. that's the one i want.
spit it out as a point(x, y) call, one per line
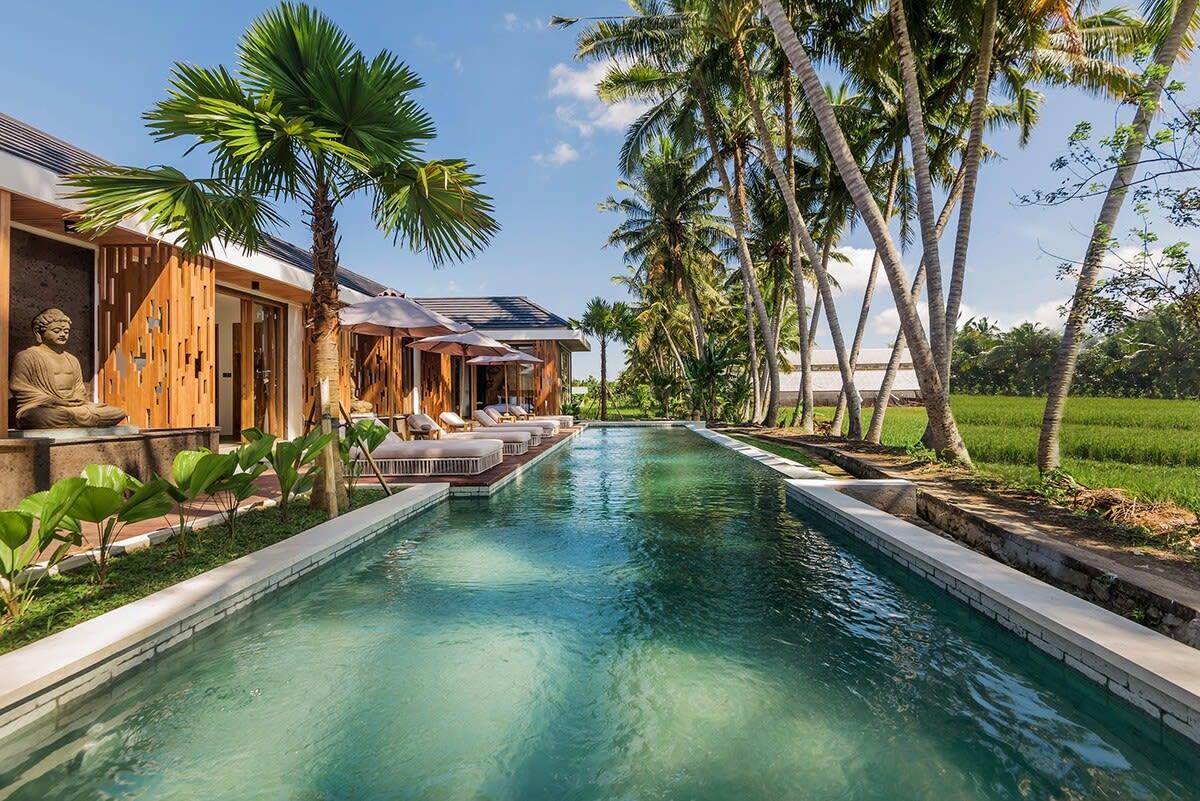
point(1153, 672)
point(42, 678)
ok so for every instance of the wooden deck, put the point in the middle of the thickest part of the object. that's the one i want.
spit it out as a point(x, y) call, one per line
point(481, 485)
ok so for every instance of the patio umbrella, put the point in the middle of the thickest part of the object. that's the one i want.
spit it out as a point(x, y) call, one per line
point(380, 315)
point(515, 357)
point(470, 343)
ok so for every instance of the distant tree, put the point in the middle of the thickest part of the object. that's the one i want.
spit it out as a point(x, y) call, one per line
point(607, 322)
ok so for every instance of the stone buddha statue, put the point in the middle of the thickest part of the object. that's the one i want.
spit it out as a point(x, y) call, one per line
point(47, 382)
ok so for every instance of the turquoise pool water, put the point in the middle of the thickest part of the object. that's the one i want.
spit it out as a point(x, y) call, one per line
point(639, 618)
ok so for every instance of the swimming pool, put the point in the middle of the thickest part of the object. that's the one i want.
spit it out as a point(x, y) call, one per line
point(640, 617)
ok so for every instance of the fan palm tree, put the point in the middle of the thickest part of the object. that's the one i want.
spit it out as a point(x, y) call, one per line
point(607, 322)
point(305, 118)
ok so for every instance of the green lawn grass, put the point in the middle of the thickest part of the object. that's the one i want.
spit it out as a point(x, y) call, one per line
point(1151, 448)
point(63, 601)
point(779, 449)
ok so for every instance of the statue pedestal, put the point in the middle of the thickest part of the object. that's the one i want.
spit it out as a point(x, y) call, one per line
point(58, 434)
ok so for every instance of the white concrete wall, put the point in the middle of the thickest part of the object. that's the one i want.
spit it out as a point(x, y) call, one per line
point(294, 414)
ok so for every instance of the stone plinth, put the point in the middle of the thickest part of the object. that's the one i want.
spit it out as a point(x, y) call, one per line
point(67, 434)
point(31, 463)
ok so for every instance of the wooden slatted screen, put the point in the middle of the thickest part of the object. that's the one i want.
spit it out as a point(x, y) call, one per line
point(155, 335)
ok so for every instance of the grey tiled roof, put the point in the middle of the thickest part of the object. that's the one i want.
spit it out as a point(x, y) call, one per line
point(498, 312)
point(36, 146)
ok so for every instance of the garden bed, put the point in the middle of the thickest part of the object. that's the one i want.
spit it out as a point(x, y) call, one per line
point(65, 600)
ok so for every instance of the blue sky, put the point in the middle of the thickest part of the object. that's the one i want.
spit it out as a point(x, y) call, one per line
point(505, 94)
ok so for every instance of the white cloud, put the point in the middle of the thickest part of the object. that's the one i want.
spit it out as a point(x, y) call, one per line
point(560, 154)
point(514, 24)
point(1047, 314)
point(583, 109)
point(852, 274)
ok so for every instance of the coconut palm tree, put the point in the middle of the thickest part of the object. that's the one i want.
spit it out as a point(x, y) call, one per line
point(670, 225)
point(1165, 56)
point(607, 322)
point(304, 118)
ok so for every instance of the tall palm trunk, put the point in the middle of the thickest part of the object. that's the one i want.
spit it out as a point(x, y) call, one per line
point(802, 418)
point(946, 438)
point(924, 181)
point(756, 410)
point(875, 430)
point(868, 293)
point(698, 334)
point(737, 212)
point(603, 377)
point(1072, 338)
point(971, 161)
point(329, 491)
point(771, 413)
point(800, 229)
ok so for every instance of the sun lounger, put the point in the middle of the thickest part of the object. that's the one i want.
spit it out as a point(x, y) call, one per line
point(521, 413)
point(454, 423)
point(497, 412)
point(449, 457)
point(515, 442)
point(489, 423)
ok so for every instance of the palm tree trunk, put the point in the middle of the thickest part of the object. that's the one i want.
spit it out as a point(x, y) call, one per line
point(1068, 348)
point(803, 415)
point(883, 397)
point(800, 228)
point(923, 180)
point(947, 439)
point(771, 413)
point(737, 212)
point(756, 412)
point(603, 378)
point(698, 335)
point(869, 292)
point(971, 161)
point(329, 491)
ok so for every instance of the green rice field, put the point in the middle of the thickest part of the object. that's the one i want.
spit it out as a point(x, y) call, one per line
point(1150, 448)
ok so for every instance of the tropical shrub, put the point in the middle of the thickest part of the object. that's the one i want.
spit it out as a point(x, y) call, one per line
point(111, 499)
point(289, 459)
point(235, 483)
point(21, 546)
point(366, 435)
point(192, 474)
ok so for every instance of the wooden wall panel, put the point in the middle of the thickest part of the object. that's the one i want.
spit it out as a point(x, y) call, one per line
point(435, 384)
point(155, 335)
point(5, 285)
point(547, 382)
point(383, 370)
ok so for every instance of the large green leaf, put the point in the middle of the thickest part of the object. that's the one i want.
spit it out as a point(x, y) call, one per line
point(254, 450)
point(52, 508)
point(15, 528)
point(147, 501)
point(108, 476)
point(96, 504)
point(211, 468)
point(184, 464)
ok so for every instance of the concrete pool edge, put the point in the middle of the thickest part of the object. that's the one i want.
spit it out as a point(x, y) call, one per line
point(1151, 671)
point(46, 676)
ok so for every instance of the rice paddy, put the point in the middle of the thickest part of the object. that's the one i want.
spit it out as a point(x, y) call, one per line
point(1151, 448)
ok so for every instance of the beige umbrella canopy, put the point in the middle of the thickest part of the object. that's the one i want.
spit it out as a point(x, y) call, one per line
point(515, 357)
point(469, 343)
point(388, 312)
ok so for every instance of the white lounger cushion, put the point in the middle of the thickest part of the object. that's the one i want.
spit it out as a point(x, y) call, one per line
point(564, 420)
point(437, 448)
point(549, 426)
point(489, 422)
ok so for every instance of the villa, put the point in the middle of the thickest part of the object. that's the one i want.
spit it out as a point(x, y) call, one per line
point(197, 349)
